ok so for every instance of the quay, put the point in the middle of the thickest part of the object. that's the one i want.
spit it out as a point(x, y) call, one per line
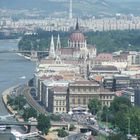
point(10, 109)
point(4, 99)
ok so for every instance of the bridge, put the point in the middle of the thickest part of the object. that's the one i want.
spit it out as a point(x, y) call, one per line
point(23, 51)
point(9, 123)
point(4, 122)
point(97, 130)
point(32, 54)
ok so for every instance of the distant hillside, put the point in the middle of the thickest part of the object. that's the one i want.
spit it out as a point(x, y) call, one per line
point(92, 7)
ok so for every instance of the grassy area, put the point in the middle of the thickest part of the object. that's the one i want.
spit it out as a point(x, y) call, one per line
point(100, 137)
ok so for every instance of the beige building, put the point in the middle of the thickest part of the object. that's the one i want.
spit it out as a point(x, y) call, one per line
point(58, 100)
point(81, 92)
point(48, 93)
point(106, 97)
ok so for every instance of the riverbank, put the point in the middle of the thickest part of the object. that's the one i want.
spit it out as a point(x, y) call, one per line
point(4, 99)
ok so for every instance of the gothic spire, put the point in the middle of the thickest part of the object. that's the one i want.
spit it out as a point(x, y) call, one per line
point(52, 48)
point(77, 25)
point(58, 45)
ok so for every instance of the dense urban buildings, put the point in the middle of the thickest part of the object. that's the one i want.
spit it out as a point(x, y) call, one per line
point(70, 77)
point(86, 70)
point(29, 26)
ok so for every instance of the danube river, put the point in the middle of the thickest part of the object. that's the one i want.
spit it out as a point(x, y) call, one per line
point(14, 70)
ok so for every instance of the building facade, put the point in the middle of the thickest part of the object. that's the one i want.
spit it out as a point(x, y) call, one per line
point(81, 92)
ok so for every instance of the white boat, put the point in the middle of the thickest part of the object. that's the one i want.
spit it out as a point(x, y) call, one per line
point(22, 77)
point(2, 127)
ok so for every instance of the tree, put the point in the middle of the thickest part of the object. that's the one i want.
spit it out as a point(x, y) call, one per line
point(10, 100)
point(71, 127)
point(133, 117)
point(105, 113)
point(129, 121)
point(55, 117)
point(43, 123)
point(120, 103)
point(94, 105)
point(126, 117)
point(119, 106)
point(29, 112)
point(107, 41)
point(121, 121)
point(117, 137)
point(62, 133)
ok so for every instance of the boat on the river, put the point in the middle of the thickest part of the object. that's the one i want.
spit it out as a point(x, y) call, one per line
point(2, 127)
point(22, 77)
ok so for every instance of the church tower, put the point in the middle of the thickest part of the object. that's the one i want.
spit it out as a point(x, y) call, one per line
point(58, 46)
point(52, 49)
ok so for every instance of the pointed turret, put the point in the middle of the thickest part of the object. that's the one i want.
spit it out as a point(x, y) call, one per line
point(52, 48)
point(58, 45)
point(77, 25)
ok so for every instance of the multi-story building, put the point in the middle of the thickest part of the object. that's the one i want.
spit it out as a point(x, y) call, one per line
point(106, 96)
point(81, 92)
point(103, 70)
point(116, 82)
point(47, 85)
point(134, 58)
point(58, 100)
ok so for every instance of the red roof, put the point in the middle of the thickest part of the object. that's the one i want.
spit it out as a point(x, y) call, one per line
point(67, 51)
point(104, 57)
point(77, 36)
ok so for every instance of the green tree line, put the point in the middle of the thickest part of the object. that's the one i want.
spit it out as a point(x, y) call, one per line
point(122, 115)
point(107, 41)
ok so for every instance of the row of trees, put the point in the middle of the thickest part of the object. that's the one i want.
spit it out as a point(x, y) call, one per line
point(107, 41)
point(19, 104)
point(121, 114)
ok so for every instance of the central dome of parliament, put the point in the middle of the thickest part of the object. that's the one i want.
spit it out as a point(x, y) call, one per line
point(77, 36)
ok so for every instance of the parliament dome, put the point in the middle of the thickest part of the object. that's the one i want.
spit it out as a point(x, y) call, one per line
point(77, 36)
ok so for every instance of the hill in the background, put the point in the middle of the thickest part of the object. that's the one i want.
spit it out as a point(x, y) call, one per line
point(92, 7)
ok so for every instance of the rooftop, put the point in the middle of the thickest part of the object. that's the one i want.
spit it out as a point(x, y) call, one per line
point(84, 83)
point(104, 68)
point(58, 89)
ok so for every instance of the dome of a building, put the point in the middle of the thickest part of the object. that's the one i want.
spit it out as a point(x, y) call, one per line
point(77, 36)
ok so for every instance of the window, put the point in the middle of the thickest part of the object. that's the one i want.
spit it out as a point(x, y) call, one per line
point(84, 101)
point(59, 102)
point(78, 100)
point(73, 89)
point(78, 89)
point(56, 102)
point(90, 89)
point(73, 101)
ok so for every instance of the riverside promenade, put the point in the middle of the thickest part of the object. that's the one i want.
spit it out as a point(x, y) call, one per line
point(4, 98)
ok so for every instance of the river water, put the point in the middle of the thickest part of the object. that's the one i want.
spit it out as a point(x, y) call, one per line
point(12, 68)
